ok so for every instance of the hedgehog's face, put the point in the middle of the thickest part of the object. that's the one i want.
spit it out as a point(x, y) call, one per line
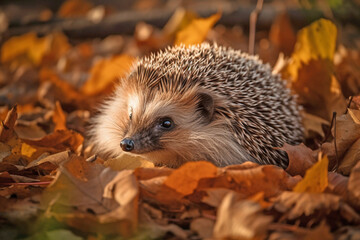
point(158, 126)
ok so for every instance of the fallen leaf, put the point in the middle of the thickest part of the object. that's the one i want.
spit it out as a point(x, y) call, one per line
point(300, 157)
point(178, 21)
point(311, 70)
point(59, 117)
point(184, 180)
point(320, 232)
point(347, 134)
point(316, 41)
point(63, 91)
point(196, 31)
point(74, 8)
point(314, 124)
point(352, 156)
point(127, 162)
point(27, 150)
point(317, 205)
point(337, 184)
point(7, 126)
point(316, 177)
point(57, 159)
point(105, 73)
point(347, 70)
point(282, 34)
point(214, 196)
point(203, 227)
point(70, 190)
point(270, 180)
point(59, 140)
point(240, 219)
point(28, 45)
point(354, 186)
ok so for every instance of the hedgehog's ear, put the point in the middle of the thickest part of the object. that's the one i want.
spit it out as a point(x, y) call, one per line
point(206, 105)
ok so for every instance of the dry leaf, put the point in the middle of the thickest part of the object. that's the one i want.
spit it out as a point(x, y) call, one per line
point(203, 227)
point(316, 177)
point(56, 159)
point(7, 126)
point(316, 205)
point(28, 45)
point(27, 150)
point(185, 179)
point(301, 158)
point(196, 31)
point(127, 162)
point(74, 8)
point(57, 141)
point(347, 63)
point(178, 21)
point(313, 123)
point(214, 196)
point(354, 186)
point(282, 34)
point(240, 219)
point(311, 70)
point(352, 156)
point(337, 184)
point(105, 73)
point(59, 117)
point(270, 180)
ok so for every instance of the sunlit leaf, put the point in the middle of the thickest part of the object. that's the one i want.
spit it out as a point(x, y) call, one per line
point(196, 31)
point(105, 73)
point(316, 178)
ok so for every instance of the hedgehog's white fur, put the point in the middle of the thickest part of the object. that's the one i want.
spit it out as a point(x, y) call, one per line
point(254, 111)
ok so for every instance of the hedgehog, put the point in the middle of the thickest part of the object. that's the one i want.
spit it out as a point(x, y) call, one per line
point(200, 102)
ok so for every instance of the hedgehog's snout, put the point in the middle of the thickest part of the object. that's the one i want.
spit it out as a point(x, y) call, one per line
point(127, 144)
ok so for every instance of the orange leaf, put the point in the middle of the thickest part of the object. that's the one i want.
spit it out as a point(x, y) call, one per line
point(316, 178)
point(74, 8)
point(28, 44)
point(196, 31)
point(185, 179)
point(59, 117)
point(105, 72)
point(58, 141)
point(7, 126)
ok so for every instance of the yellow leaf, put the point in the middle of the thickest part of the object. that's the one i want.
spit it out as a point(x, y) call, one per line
point(311, 70)
point(127, 162)
point(178, 21)
point(316, 178)
point(16, 46)
point(27, 150)
point(196, 31)
point(29, 45)
point(104, 73)
point(316, 41)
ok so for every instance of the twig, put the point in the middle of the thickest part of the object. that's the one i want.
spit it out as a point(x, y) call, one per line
point(27, 183)
point(329, 132)
point(253, 19)
point(336, 152)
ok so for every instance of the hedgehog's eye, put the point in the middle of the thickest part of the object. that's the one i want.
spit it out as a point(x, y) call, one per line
point(166, 123)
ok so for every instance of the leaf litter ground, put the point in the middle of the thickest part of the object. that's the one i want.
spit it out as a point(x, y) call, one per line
point(52, 187)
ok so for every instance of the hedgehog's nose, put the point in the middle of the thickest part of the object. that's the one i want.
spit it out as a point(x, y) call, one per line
point(127, 144)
